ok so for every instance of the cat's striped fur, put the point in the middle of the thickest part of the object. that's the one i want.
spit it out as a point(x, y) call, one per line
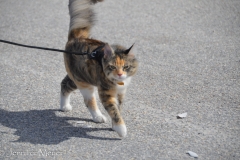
point(111, 73)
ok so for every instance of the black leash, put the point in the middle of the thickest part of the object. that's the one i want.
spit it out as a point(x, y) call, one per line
point(42, 48)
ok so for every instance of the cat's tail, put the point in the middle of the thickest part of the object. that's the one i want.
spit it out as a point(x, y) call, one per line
point(81, 18)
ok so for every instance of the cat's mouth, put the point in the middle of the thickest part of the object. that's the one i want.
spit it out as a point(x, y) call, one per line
point(116, 78)
point(120, 78)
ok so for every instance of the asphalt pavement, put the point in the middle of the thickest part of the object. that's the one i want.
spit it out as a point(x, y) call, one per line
point(189, 53)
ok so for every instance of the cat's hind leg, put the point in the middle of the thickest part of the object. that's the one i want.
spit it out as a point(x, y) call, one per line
point(67, 86)
point(87, 91)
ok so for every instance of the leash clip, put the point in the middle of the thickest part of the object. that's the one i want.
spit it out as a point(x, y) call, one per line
point(93, 54)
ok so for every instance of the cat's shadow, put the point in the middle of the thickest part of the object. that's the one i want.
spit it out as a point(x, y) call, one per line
point(44, 127)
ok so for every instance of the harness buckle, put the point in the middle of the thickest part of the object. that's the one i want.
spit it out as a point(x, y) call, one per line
point(93, 54)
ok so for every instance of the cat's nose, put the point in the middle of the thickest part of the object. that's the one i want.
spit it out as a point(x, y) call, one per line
point(119, 74)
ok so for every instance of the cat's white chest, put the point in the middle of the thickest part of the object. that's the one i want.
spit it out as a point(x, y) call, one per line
point(122, 88)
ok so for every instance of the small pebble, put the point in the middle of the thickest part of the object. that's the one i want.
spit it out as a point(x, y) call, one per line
point(192, 154)
point(183, 115)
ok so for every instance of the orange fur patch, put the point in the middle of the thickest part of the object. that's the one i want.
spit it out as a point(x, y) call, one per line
point(121, 121)
point(83, 85)
point(119, 62)
point(67, 68)
point(111, 92)
point(111, 100)
point(92, 104)
point(79, 33)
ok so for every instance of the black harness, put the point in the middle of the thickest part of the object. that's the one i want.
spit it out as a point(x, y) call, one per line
point(97, 54)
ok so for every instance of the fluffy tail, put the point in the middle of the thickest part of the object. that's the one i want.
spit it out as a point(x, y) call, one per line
point(81, 18)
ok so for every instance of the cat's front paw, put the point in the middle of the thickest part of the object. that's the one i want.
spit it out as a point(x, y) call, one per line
point(120, 129)
point(100, 119)
point(66, 108)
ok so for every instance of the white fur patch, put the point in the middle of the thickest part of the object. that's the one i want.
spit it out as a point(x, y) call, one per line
point(96, 114)
point(65, 103)
point(122, 88)
point(120, 129)
point(87, 94)
point(98, 117)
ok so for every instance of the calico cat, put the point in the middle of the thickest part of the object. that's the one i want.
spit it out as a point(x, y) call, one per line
point(109, 68)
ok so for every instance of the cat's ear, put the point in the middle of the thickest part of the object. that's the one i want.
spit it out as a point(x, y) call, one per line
point(129, 49)
point(107, 51)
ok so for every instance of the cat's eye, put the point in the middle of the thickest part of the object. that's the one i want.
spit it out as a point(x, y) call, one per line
point(112, 67)
point(126, 67)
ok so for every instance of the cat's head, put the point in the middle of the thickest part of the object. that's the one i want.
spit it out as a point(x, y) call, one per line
point(118, 62)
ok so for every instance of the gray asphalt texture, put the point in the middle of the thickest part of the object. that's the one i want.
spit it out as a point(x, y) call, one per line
point(189, 52)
